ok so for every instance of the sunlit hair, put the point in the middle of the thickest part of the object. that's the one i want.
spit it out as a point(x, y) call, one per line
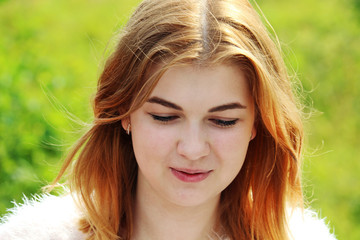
point(102, 167)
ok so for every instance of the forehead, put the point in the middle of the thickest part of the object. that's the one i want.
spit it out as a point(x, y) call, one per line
point(194, 83)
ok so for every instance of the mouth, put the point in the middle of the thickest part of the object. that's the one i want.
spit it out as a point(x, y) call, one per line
point(190, 175)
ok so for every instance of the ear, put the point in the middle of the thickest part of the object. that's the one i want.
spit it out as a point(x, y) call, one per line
point(253, 133)
point(125, 123)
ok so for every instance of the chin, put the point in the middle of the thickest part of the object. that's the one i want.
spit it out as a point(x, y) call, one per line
point(194, 200)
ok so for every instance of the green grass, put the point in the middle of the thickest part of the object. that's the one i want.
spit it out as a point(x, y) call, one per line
point(51, 53)
point(324, 37)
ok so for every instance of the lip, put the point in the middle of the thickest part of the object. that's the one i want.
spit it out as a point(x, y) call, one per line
point(190, 175)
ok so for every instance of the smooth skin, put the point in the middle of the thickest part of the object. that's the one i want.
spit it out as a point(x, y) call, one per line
point(190, 141)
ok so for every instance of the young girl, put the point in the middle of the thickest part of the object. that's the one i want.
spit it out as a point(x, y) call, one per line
point(196, 135)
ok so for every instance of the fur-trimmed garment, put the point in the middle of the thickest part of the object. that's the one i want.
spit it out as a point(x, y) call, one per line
point(48, 217)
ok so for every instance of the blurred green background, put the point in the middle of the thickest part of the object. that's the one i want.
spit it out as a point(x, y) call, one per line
point(51, 53)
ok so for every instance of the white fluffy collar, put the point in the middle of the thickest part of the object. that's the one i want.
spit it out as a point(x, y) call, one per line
point(44, 217)
point(47, 217)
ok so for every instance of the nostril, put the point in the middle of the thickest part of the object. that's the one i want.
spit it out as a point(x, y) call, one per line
point(193, 151)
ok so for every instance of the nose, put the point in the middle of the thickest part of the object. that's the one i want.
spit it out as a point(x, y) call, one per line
point(193, 143)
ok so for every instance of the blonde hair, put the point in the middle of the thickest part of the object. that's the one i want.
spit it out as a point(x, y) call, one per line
point(103, 169)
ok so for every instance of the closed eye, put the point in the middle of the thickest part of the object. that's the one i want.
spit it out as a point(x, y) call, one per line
point(163, 119)
point(224, 123)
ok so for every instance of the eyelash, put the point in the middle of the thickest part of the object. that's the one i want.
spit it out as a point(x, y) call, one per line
point(224, 123)
point(163, 119)
point(218, 122)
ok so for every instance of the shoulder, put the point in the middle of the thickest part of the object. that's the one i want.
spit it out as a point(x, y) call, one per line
point(307, 225)
point(42, 217)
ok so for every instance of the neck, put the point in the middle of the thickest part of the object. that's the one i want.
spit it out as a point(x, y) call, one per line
point(155, 218)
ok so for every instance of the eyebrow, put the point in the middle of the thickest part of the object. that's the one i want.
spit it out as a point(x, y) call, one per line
point(228, 106)
point(220, 108)
point(164, 103)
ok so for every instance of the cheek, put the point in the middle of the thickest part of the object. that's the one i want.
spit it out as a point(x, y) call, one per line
point(231, 153)
point(151, 143)
point(231, 149)
point(232, 143)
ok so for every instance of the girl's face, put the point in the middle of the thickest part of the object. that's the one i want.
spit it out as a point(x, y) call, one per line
point(191, 136)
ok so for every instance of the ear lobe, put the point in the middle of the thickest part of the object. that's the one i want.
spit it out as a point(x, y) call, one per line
point(125, 123)
point(253, 133)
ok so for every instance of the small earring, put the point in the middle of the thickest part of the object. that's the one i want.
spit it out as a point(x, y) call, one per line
point(128, 129)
